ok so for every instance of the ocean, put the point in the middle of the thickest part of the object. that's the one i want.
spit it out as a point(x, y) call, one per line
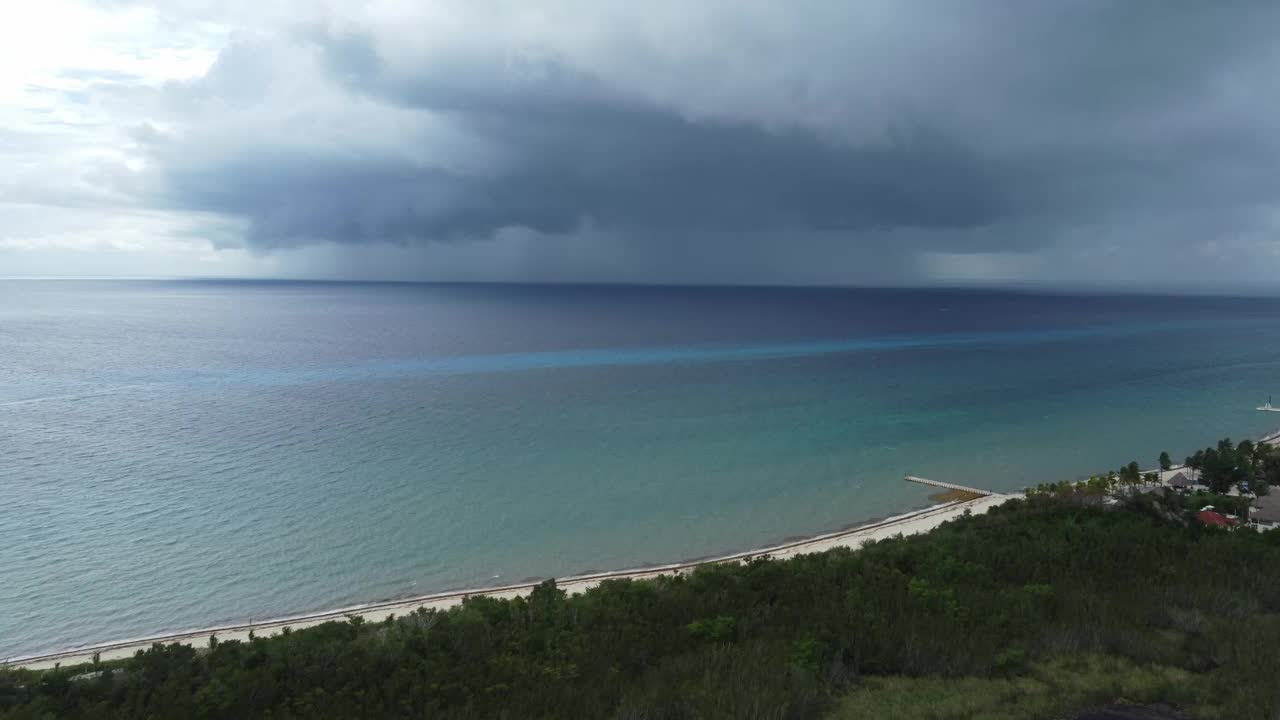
point(176, 454)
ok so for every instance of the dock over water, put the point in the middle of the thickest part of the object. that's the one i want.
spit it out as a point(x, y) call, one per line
point(949, 486)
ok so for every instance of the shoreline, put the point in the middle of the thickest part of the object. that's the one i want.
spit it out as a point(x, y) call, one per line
point(949, 502)
point(909, 523)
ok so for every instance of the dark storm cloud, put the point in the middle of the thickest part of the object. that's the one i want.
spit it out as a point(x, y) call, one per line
point(573, 150)
point(1009, 127)
point(627, 169)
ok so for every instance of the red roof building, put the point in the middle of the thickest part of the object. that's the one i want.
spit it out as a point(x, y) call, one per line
point(1209, 517)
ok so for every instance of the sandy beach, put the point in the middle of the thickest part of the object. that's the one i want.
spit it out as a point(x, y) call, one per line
point(911, 523)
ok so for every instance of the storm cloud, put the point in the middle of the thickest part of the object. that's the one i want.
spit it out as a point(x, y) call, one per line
point(966, 140)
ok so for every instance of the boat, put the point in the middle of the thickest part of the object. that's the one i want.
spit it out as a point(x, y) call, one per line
point(1267, 407)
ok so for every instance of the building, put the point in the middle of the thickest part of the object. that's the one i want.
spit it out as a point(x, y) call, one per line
point(1213, 517)
point(1179, 481)
point(1265, 513)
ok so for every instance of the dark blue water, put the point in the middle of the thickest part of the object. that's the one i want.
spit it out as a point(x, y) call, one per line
point(176, 454)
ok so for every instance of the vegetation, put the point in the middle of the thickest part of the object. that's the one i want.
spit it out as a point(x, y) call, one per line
point(1053, 601)
point(1248, 466)
point(1098, 487)
point(1046, 690)
point(1257, 465)
point(1192, 503)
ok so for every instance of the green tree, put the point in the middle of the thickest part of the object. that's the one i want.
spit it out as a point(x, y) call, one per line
point(1196, 463)
point(1246, 454)
point(1165, 461)
point(1130, 474)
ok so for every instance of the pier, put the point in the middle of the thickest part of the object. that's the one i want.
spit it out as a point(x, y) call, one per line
point(949, 486)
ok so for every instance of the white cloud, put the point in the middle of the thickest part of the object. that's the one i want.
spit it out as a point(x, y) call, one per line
point(64, 198)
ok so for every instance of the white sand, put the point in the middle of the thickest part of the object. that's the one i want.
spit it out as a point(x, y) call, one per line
point(908, 524)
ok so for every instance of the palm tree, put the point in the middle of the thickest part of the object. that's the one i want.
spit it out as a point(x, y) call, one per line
point(1195, 462)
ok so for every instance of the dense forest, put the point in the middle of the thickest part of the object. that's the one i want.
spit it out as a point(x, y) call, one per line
point(1037, 608)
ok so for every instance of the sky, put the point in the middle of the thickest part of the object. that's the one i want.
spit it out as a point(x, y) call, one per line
point(1126, 143)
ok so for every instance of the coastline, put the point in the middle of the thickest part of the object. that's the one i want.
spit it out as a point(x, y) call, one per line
point(951, 501)
point(910, 523)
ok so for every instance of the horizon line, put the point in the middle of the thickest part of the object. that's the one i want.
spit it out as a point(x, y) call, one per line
point(1242, 290)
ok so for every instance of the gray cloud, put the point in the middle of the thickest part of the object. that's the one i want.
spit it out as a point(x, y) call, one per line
point(736, 140)
point(625, 169)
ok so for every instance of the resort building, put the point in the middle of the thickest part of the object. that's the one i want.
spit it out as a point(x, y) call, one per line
point(1265, 513)
point(1213, 517)
point(1179, 481)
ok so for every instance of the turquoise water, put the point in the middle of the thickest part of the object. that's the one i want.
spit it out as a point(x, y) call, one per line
point(178, 454)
